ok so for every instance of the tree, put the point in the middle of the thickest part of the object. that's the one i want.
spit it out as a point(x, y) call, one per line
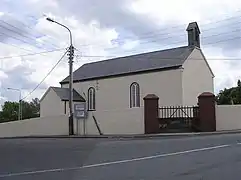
point(10, 110)
point(31, 109)
point(230, 96)
point(35, 104)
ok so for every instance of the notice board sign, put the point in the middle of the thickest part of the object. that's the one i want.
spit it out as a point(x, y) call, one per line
point(80, 110)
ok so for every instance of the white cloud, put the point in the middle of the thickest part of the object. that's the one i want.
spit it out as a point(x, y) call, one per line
point(130, 44)
point(185, 11)
point(2, 74)
point(44, 3)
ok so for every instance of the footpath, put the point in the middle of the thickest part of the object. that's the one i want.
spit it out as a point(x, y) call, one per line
point(122, 136)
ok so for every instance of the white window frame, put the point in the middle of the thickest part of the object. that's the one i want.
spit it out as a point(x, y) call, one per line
point(134, 95)
point(91, 99)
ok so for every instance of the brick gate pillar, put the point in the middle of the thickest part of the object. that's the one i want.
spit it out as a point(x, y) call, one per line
point(207, 112)
point(151, 113)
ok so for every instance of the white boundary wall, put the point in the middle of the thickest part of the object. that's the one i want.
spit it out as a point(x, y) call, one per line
point(115, 121)
point(124, 121)
point(228, 117)
point(52, 125)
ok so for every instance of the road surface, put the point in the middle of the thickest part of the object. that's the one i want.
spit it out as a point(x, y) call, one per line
point(190, 158)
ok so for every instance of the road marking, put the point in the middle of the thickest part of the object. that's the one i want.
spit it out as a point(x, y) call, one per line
point(113, 162)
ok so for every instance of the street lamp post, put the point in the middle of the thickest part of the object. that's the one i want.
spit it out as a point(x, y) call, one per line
point(71, 57)
point(19, 104)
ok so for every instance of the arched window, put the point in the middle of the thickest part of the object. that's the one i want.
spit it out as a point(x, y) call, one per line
point(91, 99)
point(134, 95)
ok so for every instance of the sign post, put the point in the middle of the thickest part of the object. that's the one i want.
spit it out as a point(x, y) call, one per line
point(80, 113)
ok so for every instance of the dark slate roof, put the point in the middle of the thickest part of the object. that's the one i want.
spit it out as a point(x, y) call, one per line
point(169, 58)
point(63, 93)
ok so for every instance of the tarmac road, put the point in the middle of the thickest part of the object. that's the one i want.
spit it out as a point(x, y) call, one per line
point(187, 158)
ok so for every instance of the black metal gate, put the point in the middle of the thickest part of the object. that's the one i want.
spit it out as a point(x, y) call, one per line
point(179, 119)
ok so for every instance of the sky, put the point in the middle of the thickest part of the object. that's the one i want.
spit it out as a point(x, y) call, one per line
point(104, 29)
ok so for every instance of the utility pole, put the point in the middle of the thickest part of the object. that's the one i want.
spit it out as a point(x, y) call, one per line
point(20, 106)
point(71, 118)
point(71, 57)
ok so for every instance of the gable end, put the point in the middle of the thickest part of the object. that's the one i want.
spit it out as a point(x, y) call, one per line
point(206, 61)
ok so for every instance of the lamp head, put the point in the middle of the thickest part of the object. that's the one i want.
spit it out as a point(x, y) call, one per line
point(49, 19)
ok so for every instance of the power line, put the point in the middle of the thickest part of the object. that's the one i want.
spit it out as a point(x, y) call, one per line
point(153, 34)
point(1, 34)
point(226, 18)
point(27, 50)
point(179, 42)
point(37, 30)
point(46, 75)
point(16, 46)
point(156, 39)
point(16, 32)
point(182, 35)
point(202, 38)
point(13, 37)
point(180, 27)
point(167, 57)
point(32, 54)
point(21, 30)
point(30, 28)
